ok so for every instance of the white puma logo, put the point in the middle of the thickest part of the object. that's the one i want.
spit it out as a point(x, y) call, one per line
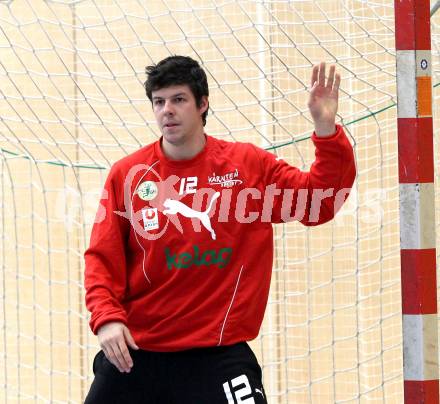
point(172, 207)
point(259, 391)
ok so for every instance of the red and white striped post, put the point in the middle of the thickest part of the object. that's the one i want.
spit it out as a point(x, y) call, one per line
point(417, 203)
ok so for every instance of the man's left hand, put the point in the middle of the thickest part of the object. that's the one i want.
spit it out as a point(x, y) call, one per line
point(323, 100)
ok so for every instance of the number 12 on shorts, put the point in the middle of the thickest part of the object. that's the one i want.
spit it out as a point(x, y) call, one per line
point(239, 393)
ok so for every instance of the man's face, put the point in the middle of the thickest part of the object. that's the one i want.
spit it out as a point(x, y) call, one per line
point(177, 114)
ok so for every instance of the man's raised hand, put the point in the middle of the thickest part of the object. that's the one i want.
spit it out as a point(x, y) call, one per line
point(323, 100)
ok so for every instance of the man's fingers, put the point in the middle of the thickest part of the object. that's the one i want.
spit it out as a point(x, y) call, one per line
point(105, 350)
point(111, 356)
point(118, 359)
point(321, 75)
point(129, 339)
point(331, 77)
point(124, 357)
point(113, 353)
point(314, 75)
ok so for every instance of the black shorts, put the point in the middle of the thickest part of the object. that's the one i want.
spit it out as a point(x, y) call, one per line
point(226, 375)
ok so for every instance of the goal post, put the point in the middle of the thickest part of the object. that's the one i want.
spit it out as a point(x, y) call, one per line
point(72, 103)
point(417, 202)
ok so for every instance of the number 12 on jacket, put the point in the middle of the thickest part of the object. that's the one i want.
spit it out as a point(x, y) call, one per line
point(188, 185)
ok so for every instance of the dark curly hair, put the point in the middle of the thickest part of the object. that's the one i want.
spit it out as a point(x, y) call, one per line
point(177, 70)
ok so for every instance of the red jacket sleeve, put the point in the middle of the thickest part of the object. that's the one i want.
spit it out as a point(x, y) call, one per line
point(311, 197)
point(105, 259)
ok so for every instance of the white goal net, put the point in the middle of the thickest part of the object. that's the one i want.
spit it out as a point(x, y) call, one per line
point(72, 102)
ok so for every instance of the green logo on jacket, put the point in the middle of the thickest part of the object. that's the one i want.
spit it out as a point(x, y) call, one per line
point(207, 258)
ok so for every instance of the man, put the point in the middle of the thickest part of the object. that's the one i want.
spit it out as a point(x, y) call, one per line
point(178, 269)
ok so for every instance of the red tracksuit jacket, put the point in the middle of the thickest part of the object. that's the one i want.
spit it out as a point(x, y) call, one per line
point(181, 251)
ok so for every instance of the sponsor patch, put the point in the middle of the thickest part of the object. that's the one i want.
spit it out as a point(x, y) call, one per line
point(198, 258)
point(150, 219)
point(147, 190)
point(227, 180)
